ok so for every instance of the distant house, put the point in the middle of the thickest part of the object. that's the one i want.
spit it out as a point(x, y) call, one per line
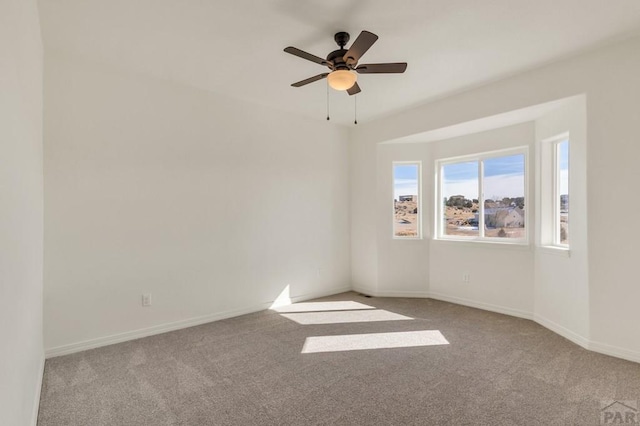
point(504, 218)
point(454, 198)
point(564, 203)
point(408, 198)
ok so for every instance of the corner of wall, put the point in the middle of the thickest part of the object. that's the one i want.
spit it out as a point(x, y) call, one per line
point(37, 393)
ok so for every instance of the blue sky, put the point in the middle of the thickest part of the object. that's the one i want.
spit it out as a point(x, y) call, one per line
point(405, 180)
point(563, 160)
point(564, 155)
point(503, 177)
point(406, 171)
point(500, 166)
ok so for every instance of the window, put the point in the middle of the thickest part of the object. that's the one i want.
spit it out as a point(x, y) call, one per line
point(482, 197)
point(461, 206)
point(554, 200)
point(561, 192)
point(406, 201)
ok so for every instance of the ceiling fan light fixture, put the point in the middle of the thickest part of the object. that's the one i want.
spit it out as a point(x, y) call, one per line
point(342, 79)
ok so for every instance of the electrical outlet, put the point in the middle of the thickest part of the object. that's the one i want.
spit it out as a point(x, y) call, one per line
point(146, 299)
point(466, 277)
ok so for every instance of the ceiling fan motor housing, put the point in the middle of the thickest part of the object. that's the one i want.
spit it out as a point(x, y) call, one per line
point(337, 59)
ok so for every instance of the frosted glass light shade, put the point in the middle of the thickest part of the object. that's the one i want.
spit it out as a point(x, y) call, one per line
point(342, 79)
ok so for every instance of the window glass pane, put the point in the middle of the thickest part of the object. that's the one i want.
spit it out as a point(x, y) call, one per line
point(460, 192)
point(504, 203)
point(405, 200)
point(563, 191)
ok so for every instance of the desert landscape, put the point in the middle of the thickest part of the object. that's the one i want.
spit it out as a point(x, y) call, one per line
point(406, 216)
point(503, 218)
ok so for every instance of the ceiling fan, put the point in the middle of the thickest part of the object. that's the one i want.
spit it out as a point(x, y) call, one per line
point(343, 63)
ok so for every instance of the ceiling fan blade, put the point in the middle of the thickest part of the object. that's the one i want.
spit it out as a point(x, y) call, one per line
point(354, 89)
point(364, 41)
point(304, 55)
point(310, 80)
point(390, 68)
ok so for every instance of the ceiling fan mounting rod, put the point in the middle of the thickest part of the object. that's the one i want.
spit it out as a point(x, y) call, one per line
point(342, 38)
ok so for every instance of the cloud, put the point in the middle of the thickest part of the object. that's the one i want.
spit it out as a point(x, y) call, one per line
point(564, 181)
point(495, 187)
point(498, 186)
point(404, 187)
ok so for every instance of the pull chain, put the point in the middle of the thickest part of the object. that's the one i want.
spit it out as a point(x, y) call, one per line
point(328, 101)
point(355, 109)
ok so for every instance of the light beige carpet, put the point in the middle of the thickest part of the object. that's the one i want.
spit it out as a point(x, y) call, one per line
point(442, 365)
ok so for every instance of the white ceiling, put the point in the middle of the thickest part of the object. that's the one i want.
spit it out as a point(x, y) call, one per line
point(234, 47)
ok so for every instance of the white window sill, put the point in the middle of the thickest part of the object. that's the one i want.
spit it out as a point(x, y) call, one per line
point(484, 244)
point(554, 250)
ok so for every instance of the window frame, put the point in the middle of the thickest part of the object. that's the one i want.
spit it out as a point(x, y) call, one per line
point(556, 205)
point(480, 159)
point(393, 207)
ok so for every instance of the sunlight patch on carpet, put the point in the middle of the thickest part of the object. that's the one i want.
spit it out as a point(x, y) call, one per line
point(357, 342)
point(346, 305)
point(339, 317)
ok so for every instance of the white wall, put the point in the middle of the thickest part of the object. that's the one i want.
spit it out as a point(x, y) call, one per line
point(364, 246)
point(213, 205)
point(401, 267)
point(608, 79)
point(21, 354)
point(561, 277)
point(500, 277)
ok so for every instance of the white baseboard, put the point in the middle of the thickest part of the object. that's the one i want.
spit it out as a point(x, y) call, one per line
point(400, 293)
point(36, 402)
point(177, 325)
point(590, 345)
point(408, 294)
point(614, 351)
point(481, 305)
point(318, 294)
point(563, 331)
point(576, 338)
point(364, 290)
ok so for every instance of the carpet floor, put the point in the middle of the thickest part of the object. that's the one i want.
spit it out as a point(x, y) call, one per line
point(351, 360)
